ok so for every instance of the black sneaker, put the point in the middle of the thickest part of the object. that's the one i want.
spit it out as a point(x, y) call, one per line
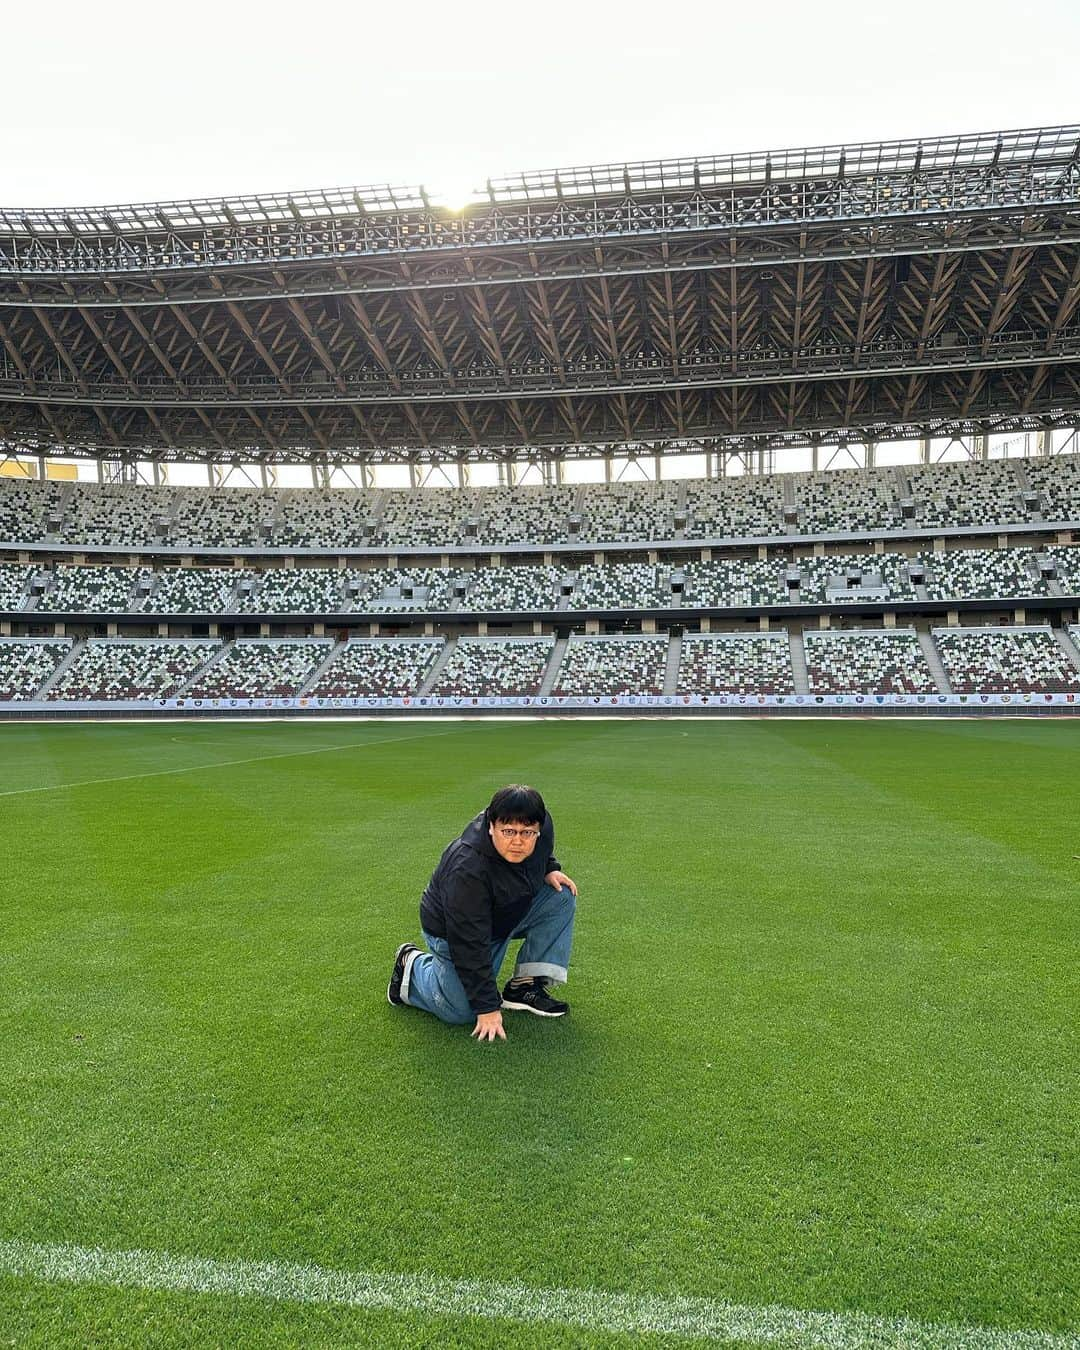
point(533, 998)
point(401, 960)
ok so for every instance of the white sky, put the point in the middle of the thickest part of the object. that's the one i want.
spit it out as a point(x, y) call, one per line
point(139, 102)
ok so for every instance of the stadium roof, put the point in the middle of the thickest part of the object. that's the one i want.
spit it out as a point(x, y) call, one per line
point(895, 289)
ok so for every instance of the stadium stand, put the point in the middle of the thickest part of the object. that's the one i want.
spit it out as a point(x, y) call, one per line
point(337, 519)
point(424, 589)
point(846, 501)
point(948, 496)
point(378, 668)
point(301, 590)
point(736, 663)
point(26, 663)
point(628, 512)
point(605, 666)
point(131, 668)
point(14, 581)
point(867, 661)
point(262, 668)
point(224, 519)
point(982, 574)
point(28, 510)
point(622, 586)
point(1001, 660)
point(92, 589)
point(525, 515)
point(513, 588)
point(495, 667)
point(734, 508)
point(118, 516)
point(987, 493)
point(193, 590)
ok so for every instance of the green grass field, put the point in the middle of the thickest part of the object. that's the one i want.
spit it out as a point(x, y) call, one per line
point(822, 1050)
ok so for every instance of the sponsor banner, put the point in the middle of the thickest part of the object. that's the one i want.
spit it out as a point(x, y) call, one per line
point(463, 702)
point(553, 703)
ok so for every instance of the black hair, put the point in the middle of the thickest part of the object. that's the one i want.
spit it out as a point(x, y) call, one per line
point(516, 803)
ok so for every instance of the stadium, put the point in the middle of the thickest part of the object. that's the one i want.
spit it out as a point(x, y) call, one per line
point(733, 501)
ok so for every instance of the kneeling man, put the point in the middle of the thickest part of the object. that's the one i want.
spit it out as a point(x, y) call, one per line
point(498, 881)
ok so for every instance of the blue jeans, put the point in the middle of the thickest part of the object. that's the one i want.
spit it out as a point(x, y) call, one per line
point(432, 983)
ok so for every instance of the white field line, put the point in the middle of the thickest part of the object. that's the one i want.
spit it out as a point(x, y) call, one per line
point(587, 1309)
point(226, 763)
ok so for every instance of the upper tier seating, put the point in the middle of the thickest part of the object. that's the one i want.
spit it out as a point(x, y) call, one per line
point(1001, 660)
point(131, 668)
point(1056, 483)
point(628, 512)
point(987, 493)
point(846, 501)
point(262, 668)
point(523, 515)
point(594, 666)
point(378, 668)
point(945, 495)
point(227, 518)
point(867, 661)
point(338, 519)
point(118, 515)
point(736, 663)
point(734, 508)
point(97, 590)
point(28, 510)
point(495, 667)
point(26, 663)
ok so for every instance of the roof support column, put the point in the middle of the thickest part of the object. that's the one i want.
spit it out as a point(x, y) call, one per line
point(924, 450)
point(1046, 441)
point(871, 454)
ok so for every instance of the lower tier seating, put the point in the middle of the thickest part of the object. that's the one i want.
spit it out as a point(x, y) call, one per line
point(26, 663)
point(607, 666)
point(1000, 660)
point(496, 667)
point(132, 668)
point(378, 668)
point(736, 663)
point(262, 668)
point(878, 661)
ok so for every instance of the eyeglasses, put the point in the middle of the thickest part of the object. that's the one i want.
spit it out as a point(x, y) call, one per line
point(518, 834)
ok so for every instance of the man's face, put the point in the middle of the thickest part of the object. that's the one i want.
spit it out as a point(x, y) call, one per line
point(514, 840)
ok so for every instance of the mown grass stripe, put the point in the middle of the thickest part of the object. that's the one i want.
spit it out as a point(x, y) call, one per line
point(224, 763)
point(591, 1310)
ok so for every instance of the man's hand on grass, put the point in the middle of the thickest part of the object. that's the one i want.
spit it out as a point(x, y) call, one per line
point(488, 1026)
point(558, 880)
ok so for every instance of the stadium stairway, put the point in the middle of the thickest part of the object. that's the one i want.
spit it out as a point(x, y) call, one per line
point(671, 670)
point(798, 664)
point(555, 660)
point(336, 648)
point(933, 660)
point(1068, 646)
point(43, 692)
point(449, 646)
point(182, 690)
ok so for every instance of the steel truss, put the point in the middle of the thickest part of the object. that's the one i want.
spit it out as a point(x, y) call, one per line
point(901, 284)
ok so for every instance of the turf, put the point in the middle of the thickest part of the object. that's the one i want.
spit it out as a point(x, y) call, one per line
point(822, 1050)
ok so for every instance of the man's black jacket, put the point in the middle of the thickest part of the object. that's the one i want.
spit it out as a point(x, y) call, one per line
point(475, 898)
